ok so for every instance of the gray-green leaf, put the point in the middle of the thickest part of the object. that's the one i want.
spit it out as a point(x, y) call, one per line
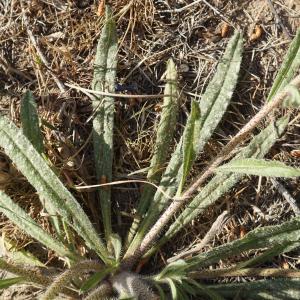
point(103, 123)
point(30, 121)
point(288, 68)
point(18, 216)
point(48, 185)
point(259, 167)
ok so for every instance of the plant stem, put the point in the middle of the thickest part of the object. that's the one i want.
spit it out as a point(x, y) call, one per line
point(215, 229)
point(29, 275)
point(226, 153)
point(101, 292)
point(59, 284)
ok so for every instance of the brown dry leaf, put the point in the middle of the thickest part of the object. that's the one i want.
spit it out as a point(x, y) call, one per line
point(257, 33)
point(224, 30)
point(100, 10)
point(295, 153)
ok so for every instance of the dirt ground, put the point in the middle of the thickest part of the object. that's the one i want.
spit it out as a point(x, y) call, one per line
point(194, 34)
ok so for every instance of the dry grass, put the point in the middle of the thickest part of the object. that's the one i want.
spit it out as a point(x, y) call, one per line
point(149, 33)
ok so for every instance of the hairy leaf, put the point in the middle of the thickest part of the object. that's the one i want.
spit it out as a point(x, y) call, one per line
point(286, 234)
point(30, 122)
point(274, 289)
point(220, 184)
point(214, 104)
point(31, 129)
point(48, 185)
point(18, 216)
point(218, 93)
point(165, 131)
point(19, 256)
point(190, 139)
point(104, 80)
point(288, 68)
point(116, 243)
point(259, 167)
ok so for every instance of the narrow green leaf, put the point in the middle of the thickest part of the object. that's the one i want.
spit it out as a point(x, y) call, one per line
point(287, 233)
point(116, 243)
point(162, 295)
point(259, 167)
point(30, 121)
point(218, 93)
point(48, 185)
point(212, 106)
point(164, 136)
point(220, 184)
point(289, 67)
point(173, 288)
point(275, 289)
point(172, 270)
point(31, 129)
point(18, 256)
point(190, 138)
point(167, 124)
point(18, 216)
point(5, 283)
point(103, 123)
point(205, 290)
point(266, 256)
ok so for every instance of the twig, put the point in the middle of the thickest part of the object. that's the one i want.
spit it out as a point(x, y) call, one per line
point(287, 196)
point(253, 272)
point(215, 229)
point(92, 92)
point(226, 153)
point(179, 10)
point(8, 68)
point(43, 58)
point(91, 187)
point(278, 20)
point(217, 12)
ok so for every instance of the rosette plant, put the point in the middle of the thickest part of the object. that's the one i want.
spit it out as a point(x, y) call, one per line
point(168, 202)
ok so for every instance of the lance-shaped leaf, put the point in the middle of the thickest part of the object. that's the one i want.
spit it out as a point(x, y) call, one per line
point(197, 132)
point(289, 67)
point(48, 185)
point(18, 216)
point(219, 91)
point(31, 129)
point(220, 184)
point(286, 235)
point(164, 136)
point(10, 250)
point(274, 289)
point(104, 80)
point(259, 167)
point(168, 183)
point(30, 121)
point(190, 138)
